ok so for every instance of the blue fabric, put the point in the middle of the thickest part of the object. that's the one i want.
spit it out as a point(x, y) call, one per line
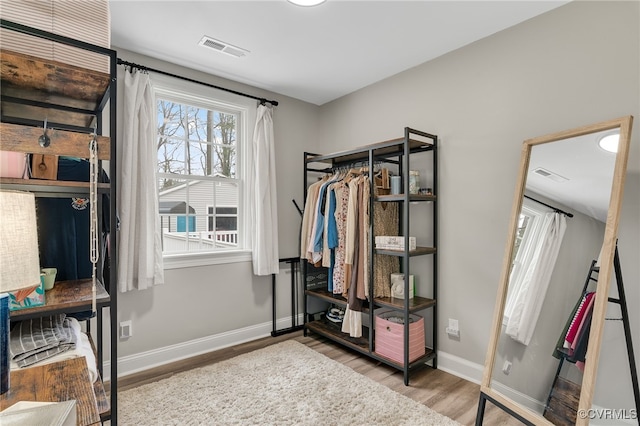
point(332, 235)
point(318, 240)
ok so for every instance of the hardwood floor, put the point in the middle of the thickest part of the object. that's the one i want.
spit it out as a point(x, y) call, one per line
point(445, 393)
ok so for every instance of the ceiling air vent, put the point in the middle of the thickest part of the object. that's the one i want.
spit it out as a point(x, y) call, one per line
point(550, 175)
point(223, 47)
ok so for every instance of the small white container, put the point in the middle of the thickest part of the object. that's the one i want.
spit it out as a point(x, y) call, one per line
point(396, 183)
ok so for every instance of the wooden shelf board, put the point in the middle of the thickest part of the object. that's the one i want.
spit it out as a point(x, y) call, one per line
point(66, 296)
point(400, 197)
point(21, 138)
point(429, 355)
point(57, 83)
point(419, 251)
point(50, 186)
point(55, 382)
point(333, 332)
point(327, 296)
point(416, 304)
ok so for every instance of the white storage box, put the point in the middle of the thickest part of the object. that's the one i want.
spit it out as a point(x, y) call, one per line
point(397, 286)
point(85, 20)
point(393, 242)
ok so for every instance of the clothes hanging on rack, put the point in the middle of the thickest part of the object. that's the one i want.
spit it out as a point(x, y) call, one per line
point(335, 234)
point(573, 341)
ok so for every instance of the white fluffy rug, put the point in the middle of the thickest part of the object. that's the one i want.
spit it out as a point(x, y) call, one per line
point(283, 384)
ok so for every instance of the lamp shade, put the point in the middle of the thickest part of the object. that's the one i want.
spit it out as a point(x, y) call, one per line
point(19, 259)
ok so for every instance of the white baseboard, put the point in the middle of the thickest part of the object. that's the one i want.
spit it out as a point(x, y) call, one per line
point(460, 367)
point(131, 364)
point(473, 372)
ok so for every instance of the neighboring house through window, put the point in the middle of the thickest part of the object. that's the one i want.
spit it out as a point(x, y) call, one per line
point(203, 160)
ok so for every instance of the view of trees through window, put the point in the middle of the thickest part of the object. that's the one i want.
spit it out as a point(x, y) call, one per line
point(198, 182)
point(195, 141)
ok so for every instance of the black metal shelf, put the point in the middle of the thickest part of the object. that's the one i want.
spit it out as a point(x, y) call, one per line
point(332, 332)
point(395, 152)
point(72, 98)
point(416, 304)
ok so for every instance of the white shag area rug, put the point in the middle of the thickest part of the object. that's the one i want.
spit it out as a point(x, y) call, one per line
point(283, 384)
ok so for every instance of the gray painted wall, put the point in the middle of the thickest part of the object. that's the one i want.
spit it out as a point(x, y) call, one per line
point(576, 65)
point(198, 302)
point(573, 66)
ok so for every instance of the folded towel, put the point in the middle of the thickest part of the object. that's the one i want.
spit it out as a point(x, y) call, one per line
point(40, 338)
point(83, 349)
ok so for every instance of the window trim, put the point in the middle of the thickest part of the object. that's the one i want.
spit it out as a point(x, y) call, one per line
point(170, 88)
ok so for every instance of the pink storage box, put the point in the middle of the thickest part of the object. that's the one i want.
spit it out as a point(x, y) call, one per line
point(13, 165)
point(389, 335)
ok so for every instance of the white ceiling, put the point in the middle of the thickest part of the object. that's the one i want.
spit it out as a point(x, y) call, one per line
point(315, 54)
point(587, 171)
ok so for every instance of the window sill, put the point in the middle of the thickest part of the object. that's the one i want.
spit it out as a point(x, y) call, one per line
point(178, 261)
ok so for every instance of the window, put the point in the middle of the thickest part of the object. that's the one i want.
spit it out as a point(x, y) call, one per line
point(201, 171)
point(224, 220)
point(529, 223)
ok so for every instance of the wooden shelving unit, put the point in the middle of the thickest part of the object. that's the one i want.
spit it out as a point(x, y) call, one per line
point(396, 152)
point(71, 99)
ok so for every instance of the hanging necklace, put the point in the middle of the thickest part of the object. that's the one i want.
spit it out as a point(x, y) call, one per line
point(93, 215)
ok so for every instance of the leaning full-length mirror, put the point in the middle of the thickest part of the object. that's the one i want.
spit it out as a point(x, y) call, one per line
point(559, 251)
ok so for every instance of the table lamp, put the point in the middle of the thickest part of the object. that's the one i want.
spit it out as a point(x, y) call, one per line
point(19, 261)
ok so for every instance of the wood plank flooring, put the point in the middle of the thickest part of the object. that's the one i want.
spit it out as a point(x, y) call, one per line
point(445, 393)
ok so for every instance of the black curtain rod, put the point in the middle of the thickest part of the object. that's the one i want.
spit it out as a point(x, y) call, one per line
point(144, 68)
point(551, 207)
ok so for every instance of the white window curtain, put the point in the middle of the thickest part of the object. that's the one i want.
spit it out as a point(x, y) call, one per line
point(535, 279)
point(139, 240)
point(264, 208)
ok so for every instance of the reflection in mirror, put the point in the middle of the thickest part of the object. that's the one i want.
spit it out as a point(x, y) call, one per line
point(547, 331)
point(560, 231)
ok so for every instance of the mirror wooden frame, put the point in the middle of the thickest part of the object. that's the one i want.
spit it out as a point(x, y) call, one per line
point(603, 284)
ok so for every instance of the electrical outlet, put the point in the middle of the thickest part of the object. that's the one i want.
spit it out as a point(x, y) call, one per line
point(126, 330)
point(453, 324)
point(506, 367)
point(453, 329)
point(453, 332)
